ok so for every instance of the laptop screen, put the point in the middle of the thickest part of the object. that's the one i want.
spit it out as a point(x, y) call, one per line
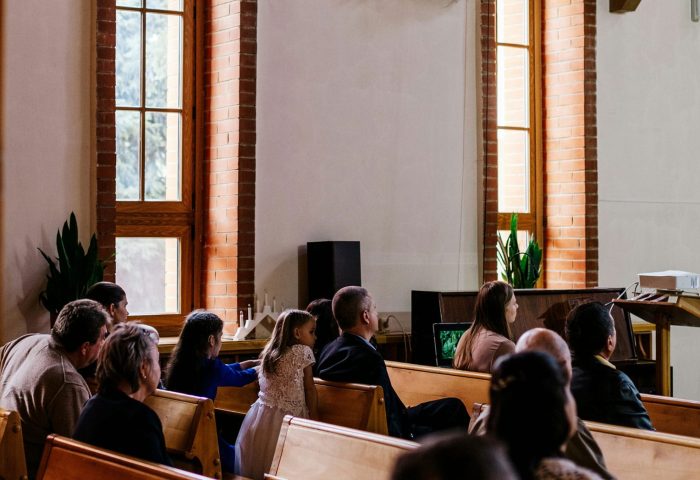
point(446, 336)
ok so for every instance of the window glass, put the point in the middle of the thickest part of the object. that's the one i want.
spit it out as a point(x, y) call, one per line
point(512, 18)
point(513, 87)
point(162, 174)
point(128, 153)
point(175, 5)
point(147, 269)
point(128, 59)
point(163, 60)
point(513, 171)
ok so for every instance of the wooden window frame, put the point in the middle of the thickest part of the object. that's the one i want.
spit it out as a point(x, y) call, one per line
point(533, 220)
point(169, 219)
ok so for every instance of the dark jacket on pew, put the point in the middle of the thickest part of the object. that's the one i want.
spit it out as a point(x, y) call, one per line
point(116, 422)
point(349, 358)
point(605, 394)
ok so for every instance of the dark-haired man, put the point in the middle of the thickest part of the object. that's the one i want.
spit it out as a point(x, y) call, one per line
point(39, 377)
point(602, 392)
point(352, 358)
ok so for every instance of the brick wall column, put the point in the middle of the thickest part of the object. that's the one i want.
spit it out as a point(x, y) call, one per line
point(229, 166)
point(571, 196)
point(106, 40)
point(489, 137)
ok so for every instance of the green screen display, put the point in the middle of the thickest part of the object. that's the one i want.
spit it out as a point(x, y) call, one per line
point(448, 341)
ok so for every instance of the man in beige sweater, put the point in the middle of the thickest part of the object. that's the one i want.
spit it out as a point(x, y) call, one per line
point(39, 377)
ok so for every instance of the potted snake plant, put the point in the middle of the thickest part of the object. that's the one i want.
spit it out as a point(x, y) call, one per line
point(74, 270)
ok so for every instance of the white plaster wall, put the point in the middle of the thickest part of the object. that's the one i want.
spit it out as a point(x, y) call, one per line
point(649, 155)
point(367, 131)
point(45, 134)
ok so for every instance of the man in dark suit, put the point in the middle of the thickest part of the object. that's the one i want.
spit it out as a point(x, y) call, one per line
point(351, 358)
point(602, 392)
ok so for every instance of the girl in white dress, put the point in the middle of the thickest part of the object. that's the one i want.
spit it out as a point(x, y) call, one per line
point(286, 388)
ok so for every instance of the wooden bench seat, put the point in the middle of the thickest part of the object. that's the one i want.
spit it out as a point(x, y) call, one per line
point(12, 461)
point(309, 450)
point(418, 383)
point(673, 415)
point(189, 428)
point(350, 405)
point(67, 459)
point(640, 454)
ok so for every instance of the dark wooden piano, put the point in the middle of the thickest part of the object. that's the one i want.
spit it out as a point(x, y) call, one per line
point(537, 308)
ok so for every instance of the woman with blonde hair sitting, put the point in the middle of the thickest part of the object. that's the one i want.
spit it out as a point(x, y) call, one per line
point(116, 418)
point(489, 337)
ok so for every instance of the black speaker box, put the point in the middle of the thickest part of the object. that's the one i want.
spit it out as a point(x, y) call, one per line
point(332, 266)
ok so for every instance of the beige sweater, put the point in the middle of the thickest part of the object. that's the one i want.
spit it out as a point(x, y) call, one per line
point(39, 382)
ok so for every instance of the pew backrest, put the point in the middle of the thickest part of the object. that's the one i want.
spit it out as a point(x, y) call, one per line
point(419, 383)
point(67, 459)
point(12, 461)
point(640, 454)
point(673, 415)
point(350, 405)
point(309, 450)
point(189, 428)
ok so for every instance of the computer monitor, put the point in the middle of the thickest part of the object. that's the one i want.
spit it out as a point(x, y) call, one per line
point(446, 336)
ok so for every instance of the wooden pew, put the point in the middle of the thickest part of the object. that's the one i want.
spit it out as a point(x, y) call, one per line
point(309, 450)
point(346, 404)
point(189, 427)
point(67, 459)
point(419, 383)
point(12, 462)
point(673, 415)
point(640, 455)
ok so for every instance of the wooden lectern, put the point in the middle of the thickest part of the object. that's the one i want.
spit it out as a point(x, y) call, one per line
point(664, 309)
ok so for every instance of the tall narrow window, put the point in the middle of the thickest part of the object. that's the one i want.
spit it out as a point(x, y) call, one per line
point(518, 117)
point(154, 167)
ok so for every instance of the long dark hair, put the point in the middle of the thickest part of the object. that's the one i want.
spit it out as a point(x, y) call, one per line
point(186, 364)
point(282, 337)
point(107, 293)
point(489, 314)
point(326, 326)
point(528, 409)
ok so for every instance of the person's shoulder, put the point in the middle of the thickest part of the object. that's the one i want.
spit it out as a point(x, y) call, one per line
point(557, 468)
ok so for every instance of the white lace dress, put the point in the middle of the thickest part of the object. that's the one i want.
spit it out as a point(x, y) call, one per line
point(281, 393)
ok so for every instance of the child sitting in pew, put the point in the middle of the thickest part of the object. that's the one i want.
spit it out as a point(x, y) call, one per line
point(194, 367)
point(286, 388)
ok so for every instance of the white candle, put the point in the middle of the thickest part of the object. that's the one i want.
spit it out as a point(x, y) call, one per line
point(250, 312)
point(240, 319)
point(265, 304)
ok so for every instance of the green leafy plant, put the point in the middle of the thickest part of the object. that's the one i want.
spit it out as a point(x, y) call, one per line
point(520, 269)
point(75, 270)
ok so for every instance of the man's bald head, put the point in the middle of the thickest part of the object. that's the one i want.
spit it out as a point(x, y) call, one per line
point(548, 341)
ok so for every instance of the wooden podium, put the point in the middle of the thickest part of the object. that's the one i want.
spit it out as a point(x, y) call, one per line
point(664, 309)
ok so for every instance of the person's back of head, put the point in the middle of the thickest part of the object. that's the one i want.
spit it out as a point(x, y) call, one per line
point(455, 455)
point(348, 304)
point(283, 337)
point(588, 328)
point(490, 307)
point(326, 326)
point(122, 356)
point(532, 411)
point(79, 322)
point(547, 341)
point(106, 293)
point(183, 372)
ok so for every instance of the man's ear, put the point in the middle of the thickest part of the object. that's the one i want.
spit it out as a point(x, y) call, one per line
point(84, 348)
point(212, 340)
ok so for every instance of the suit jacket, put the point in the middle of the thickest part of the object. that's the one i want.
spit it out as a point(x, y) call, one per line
point(350, 359)
point(605, 394)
